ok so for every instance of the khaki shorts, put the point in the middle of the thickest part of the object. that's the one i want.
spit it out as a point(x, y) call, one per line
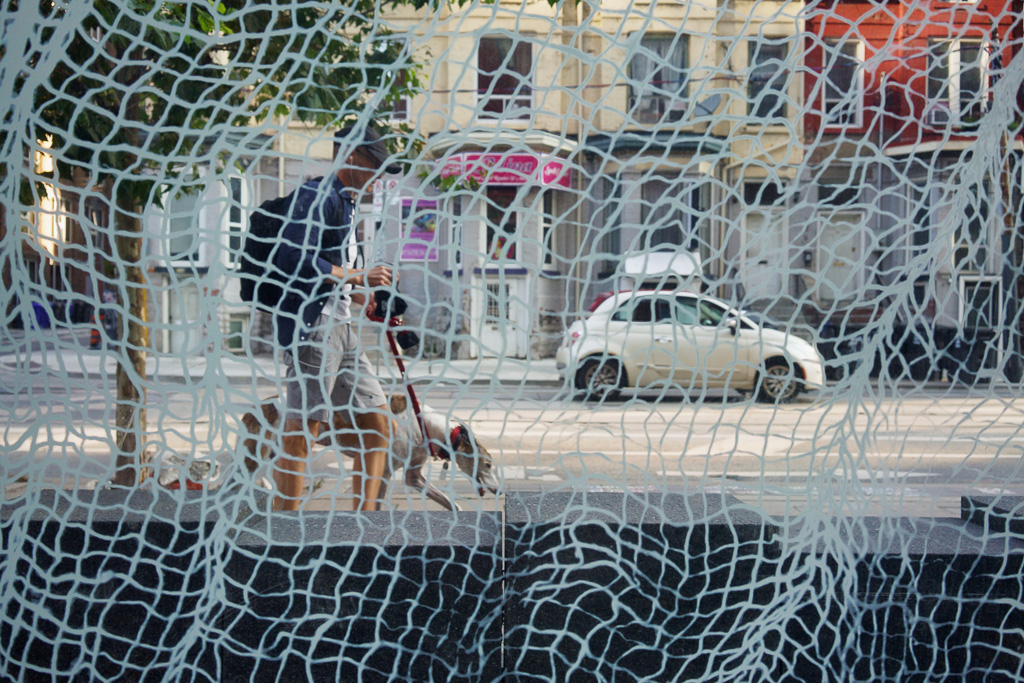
point(331, 374)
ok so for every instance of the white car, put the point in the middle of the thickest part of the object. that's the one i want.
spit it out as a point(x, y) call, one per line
point(650, 339)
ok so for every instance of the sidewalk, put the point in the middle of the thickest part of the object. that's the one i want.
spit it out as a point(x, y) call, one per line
point(76, 359)
point(71, 356)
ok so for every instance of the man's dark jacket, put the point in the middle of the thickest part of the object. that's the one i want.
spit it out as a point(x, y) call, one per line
point(312, 241)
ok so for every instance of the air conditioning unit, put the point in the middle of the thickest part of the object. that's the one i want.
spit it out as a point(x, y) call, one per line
point(939, 115)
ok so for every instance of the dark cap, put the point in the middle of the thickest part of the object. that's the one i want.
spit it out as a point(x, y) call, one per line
point(368, 140)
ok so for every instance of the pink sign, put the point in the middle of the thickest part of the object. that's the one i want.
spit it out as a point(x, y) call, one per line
point(509, 169)
point(419, 230)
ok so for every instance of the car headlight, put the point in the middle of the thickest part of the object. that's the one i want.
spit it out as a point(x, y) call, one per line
point(803, 350)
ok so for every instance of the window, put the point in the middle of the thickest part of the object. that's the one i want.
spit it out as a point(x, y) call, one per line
point(458, 243)
point(957, 84)
point(920, 208)
point(691, 311)
point(640, 309)
point(663, 310)
point(608, 238)
point(763, 194)
point(497, 295)
point(842, 264)
point(504, 77)
point(236, 220)
point(971, 240)
point(681, 310)
point(981, 304)
point(547, 228)
point(502, 223)
point(670, 208)
point(921, 238)
point(182, 228)
point(686, 311)
point(843, 194)
point(657, 78)
point(392, 54)
point(711, 315)
point(767, 79)
point(843, 91)
point(611, 236)
point(399, 109)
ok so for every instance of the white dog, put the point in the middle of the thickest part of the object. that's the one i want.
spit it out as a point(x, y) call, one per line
point(407, 448)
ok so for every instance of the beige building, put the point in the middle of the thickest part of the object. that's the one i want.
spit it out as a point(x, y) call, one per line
point(674, 125)
point(556, 141)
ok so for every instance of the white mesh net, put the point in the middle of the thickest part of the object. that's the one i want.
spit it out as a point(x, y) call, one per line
point(718, 341)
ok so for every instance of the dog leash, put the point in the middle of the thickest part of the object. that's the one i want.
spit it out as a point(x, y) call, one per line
point(407, 339)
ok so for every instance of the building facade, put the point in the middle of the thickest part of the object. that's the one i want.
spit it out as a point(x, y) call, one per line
point(814, 158)
point(914, 167)
point(604, 131)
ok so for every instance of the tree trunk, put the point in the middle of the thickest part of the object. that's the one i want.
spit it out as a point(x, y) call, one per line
point(131, 364)
point(131, 367)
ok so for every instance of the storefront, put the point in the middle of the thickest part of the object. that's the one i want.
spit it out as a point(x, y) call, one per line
point(506, 226)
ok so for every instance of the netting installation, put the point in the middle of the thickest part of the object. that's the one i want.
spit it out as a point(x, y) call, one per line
point(511, 341)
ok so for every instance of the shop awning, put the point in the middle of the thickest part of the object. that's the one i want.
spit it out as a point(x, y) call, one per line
point(654, 141)
point(509, 169)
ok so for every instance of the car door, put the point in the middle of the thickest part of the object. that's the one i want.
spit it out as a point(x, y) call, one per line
point(671, 349)
point(638, 331)
point(677, 338)
point(674, 342)
point(720, 351)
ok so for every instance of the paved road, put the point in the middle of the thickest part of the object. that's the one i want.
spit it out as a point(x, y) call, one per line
point(874, 450)
point(883, 456)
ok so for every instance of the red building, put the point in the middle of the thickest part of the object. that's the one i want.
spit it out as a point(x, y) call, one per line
point(914, 148)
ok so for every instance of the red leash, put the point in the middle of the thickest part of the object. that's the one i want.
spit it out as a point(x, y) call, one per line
point(395, 322)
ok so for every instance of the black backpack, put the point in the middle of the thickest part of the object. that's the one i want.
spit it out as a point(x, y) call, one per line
point(261, 281)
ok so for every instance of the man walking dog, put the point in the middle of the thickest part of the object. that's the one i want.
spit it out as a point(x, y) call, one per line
point(326, 369)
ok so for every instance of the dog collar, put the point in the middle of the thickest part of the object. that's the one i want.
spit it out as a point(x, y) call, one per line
point(447, 453)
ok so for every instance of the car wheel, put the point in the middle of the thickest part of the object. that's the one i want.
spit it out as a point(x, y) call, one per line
point(599, 378)
point(778, 382)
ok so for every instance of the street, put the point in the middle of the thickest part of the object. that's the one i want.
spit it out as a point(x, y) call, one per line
point(913, 454)
point(909, 450)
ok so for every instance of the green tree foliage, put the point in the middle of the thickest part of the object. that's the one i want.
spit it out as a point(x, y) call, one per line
point(139, 85)
point(130, 93)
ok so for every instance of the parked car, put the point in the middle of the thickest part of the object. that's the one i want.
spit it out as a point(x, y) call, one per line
point(656, 270)
point(649, 339)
